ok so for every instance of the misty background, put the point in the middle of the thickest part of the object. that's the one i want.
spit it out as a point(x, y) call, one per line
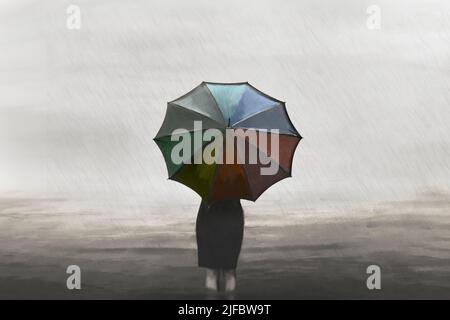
point(79, 108)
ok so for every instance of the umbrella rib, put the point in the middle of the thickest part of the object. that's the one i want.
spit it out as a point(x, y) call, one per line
point(292, 134)
point(177, 134)
point(216, 103)
point(245, 174)
point(289, 119)
point(174, 105)
point(188, 93)
point(216, 172)
point(220, 125)
point(289, 173)
point(292, 156)
point(192, 157)
point(256, 113)
point(264, 94)
point(267, 131)
point(255, 197)
point(282, 105)
point(265, 153)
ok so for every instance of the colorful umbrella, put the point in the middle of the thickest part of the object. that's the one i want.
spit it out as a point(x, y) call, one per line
point(258, 123)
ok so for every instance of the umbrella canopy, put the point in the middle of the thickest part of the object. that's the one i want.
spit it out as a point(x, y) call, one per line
point(255, 122)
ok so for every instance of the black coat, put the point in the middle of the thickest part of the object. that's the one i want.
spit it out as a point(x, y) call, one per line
point(220, 229)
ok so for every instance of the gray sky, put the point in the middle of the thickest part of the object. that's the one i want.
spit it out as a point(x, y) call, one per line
point(79, 108)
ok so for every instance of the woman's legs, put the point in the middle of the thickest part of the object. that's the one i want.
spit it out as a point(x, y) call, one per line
point(212, 279)
point(229, 279)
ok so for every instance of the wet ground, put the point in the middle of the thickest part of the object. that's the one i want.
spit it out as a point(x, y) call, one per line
point(325, 256)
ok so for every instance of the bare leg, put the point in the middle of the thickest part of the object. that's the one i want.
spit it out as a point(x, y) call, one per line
point(230, 280)
point(212, 279)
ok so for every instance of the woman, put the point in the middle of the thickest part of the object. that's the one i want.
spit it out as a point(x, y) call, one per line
point(220, 229)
